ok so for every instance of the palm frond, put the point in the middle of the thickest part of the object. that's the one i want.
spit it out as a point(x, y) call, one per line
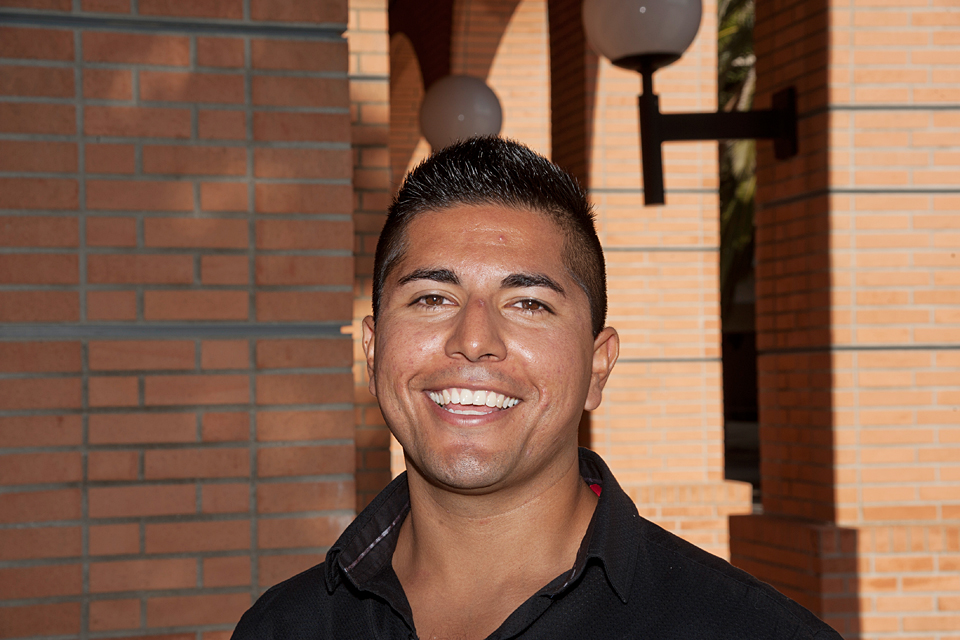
point(738, 159)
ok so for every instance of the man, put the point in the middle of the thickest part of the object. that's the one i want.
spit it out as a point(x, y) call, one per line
point(486, 345)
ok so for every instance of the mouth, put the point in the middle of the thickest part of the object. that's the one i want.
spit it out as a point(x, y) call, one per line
point(472, 402)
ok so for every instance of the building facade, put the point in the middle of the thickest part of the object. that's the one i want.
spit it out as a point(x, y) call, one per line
point(190, 197)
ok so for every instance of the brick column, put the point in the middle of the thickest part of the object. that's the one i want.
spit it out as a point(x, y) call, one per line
point(858, 302)
point(176, 425)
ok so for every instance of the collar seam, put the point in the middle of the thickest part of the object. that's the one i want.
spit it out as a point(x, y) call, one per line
point(379, 538)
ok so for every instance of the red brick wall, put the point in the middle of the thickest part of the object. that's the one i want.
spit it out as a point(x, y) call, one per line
point(176, 426)
point(661, 422)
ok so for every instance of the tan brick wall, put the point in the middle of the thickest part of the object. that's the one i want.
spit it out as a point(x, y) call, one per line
point(176, 430)
point(661, 424)
point(373, 189)
point(858, 300)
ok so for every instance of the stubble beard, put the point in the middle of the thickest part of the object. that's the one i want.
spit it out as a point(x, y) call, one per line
point(465, 469)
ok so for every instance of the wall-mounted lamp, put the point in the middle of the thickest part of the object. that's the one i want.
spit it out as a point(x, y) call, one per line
point(644, 35)
point(458, 107)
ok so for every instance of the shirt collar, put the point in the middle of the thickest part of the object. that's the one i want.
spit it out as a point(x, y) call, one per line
point(613, 537)
point(365, 549)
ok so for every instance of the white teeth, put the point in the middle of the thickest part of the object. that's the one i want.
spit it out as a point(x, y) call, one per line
point(471, 397)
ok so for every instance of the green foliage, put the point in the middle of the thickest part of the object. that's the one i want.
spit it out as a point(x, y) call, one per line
point(738, 158)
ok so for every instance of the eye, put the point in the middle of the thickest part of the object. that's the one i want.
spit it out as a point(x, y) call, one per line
point(431, 300)
point(533, 306)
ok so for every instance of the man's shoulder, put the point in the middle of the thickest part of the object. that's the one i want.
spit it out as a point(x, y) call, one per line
point(327, 600)
point(705, 591)
point(288, 609)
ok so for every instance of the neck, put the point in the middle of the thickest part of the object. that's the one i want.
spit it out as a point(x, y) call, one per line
point(533, 530)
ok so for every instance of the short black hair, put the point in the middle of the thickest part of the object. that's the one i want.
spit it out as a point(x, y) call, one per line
point(489, 170)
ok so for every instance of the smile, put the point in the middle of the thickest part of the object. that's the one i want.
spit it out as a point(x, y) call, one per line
point(447, 398)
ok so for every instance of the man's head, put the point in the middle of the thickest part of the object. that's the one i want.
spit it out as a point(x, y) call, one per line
point(494, 171)
point(485, 352)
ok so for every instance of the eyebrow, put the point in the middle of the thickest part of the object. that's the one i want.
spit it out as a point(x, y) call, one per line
point(521, 280)
point(445, 276)
point(512, 281)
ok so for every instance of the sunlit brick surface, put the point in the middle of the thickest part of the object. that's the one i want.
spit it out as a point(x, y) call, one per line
point(661, 424)
point(373, 189)
point(857, 285)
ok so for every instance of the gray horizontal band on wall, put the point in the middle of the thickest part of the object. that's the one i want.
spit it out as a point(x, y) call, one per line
point(163, 25)
point(639, 190)
point(858, 348)
point(170, 330)
point(662, 249)
point(664, 360)
point(884, 107)
point(863, 191)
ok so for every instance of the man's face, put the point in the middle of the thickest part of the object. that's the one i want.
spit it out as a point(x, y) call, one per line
point(482, 357)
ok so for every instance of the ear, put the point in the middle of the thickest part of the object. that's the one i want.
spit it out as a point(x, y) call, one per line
point(606, 349)
point(369, 336)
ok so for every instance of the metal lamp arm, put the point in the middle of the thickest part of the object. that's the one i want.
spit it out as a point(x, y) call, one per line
point(778, 123)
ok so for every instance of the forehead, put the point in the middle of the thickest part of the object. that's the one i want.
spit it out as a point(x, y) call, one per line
point(485, 235)
point(467, 226)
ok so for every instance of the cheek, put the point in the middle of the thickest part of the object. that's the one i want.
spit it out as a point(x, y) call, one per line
point(406, 349)
point(560, 361)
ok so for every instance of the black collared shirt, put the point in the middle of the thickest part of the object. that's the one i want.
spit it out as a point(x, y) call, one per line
point(631, 579)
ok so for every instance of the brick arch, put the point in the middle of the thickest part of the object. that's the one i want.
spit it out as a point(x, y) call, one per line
point(407, 145)
point(478, 28)
point(508, 46)
point(573, 75)
point(428, 25)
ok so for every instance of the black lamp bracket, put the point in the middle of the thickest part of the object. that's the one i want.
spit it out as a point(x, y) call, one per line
point(778, 123)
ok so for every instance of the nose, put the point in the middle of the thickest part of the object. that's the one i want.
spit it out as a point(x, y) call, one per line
point(477, 333)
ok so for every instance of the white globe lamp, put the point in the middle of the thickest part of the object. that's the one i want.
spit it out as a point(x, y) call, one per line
point(638, 34)
point(645, 35)
point(458, 107)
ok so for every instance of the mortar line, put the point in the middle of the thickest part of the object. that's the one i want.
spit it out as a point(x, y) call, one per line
point(328, 31)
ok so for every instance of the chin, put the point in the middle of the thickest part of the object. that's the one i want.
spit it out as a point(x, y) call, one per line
point(463, 470)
